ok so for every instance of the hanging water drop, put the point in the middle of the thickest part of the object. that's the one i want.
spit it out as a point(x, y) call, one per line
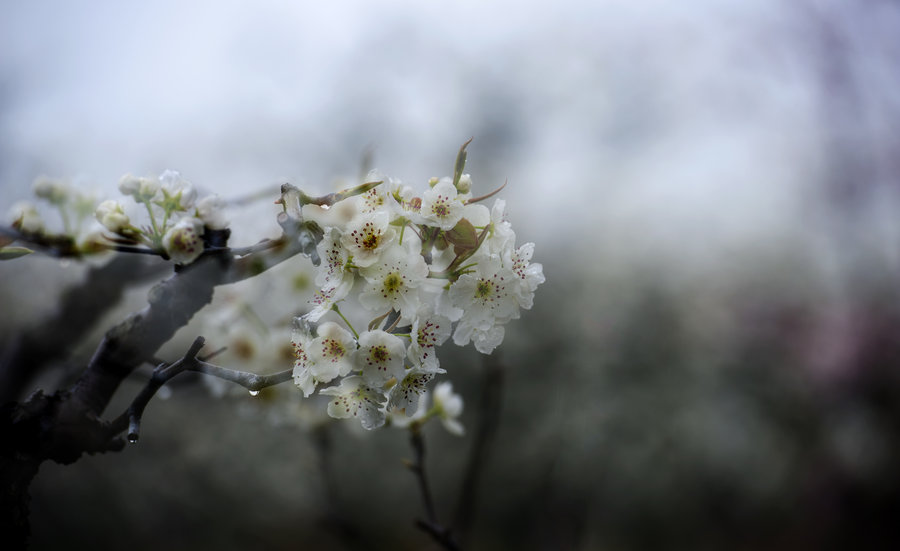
point(132, 438)
point(254, 393)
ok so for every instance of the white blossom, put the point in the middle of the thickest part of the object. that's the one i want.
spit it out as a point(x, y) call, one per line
point(380, 357)
point(530, 274)
point(486, 294)
point(179, 190)
point(367, 236)
point(391, 282)
point(331, 352)
point(428, 332)
point(440, 206)
point(353, 398)
point(406, 395)
point(449, 406)
point(182, 242)
point(334, 278)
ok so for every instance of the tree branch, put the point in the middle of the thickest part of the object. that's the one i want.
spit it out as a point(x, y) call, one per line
point(491, 401)
point(431, 525)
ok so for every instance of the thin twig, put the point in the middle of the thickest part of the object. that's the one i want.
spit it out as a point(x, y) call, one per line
point(431, 526)
point(161, 375)
point(251, 381)
point(491, 401)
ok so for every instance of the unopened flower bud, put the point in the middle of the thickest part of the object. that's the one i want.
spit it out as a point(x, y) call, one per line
point(26, 218)
point(211, 210)
point(465, 184)
point(142, 189)
point(111, 215)
point(54, 191)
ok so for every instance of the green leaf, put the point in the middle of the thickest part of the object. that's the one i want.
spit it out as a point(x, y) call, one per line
point(460, 162)
point(8, 253)
point(463, 235)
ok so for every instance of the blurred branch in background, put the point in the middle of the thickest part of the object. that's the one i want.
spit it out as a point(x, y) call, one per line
point(27, 353)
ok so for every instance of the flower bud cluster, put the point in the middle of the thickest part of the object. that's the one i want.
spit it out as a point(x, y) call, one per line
point(426, 265)
point(74, 207)
point(178, 219)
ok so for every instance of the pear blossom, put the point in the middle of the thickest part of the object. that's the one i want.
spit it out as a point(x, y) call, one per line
point(176, 190)
point(380, 357)
point(530, 275)
point(484, 339)
point(449, 406)
point(428, 332)
point(334, 277)
point(331, 352)
point(323, 358)
point(406, 395)
point(302, 373)
point(406, 204)
point(367, 237)
point(353, 398)
point(486, 294)
point(378, 198)
point(182, 242)
point(440, 206)
point(391, 282)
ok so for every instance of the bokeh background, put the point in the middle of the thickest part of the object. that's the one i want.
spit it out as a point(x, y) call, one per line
point(713, 188)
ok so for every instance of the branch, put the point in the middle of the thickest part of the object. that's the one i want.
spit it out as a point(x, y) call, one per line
point(491, 401)
point(163, 373)
point(251, 381)
point(431, 526)
point(78, 309)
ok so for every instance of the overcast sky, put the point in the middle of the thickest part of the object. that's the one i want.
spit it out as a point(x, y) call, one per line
point(648, 122)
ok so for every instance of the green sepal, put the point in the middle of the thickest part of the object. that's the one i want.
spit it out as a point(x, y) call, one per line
point(460, 162)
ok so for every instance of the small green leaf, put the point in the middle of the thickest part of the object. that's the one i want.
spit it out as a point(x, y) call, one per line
point(460, 162)
point(463, 235)
point(8, 253)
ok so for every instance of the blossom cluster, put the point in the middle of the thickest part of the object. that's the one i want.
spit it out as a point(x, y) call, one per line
point(177, 218)
point(425, 265)
point(74, 207)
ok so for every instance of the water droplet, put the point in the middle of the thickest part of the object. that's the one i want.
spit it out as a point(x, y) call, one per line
point(254, 393)
point(133, 438)
point(164, 393)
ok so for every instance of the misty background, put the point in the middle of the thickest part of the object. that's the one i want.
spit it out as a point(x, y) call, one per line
point(713, 190)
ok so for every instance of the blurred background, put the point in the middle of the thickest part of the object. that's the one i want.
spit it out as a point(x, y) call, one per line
point(713, 190)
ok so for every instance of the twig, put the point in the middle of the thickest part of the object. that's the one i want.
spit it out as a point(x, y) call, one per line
point(491, 400)
point(251, 381)
point(163, 373)
point(160, 376)
point(431, 526)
